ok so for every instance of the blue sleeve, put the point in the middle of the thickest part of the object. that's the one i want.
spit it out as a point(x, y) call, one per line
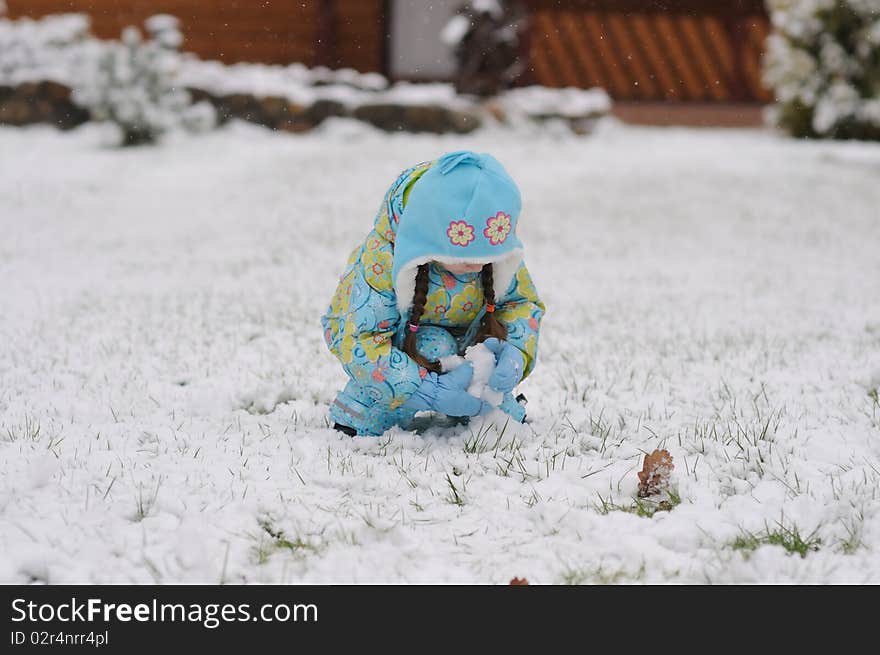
point(520, 310)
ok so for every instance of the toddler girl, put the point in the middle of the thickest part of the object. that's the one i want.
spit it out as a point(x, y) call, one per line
point(441, 270)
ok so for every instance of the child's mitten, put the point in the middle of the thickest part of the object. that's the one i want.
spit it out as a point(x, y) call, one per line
point(510, 365)
point(446, 393)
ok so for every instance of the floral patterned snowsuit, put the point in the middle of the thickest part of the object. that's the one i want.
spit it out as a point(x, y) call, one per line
point(364, 328)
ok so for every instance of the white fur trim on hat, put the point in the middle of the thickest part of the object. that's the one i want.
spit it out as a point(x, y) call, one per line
point(504, 269)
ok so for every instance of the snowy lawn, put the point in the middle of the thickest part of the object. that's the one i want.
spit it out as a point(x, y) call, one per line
point(164, 384)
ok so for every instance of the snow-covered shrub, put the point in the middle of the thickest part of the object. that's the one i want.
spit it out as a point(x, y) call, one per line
point(486, 37)
point(132, 83)
point(823, 65)
point(39, 50)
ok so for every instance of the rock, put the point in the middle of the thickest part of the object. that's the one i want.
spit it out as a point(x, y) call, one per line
point(40, 102)
point(583, 125)
point(243, 106)
point(464, 122)
point(14, 110)
point(54, 91)
point(386, 117)
point(295, 118)
point(580, 125)
point(273, 110)
point(324, 109)
point(417, 118)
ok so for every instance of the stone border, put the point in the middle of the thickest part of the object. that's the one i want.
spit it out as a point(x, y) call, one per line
point(280, 113)
point(50, 102)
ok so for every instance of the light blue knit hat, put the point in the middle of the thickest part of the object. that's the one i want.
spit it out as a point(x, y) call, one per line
point(463, 210)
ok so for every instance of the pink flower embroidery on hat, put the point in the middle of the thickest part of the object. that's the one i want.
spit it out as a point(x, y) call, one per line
point(460, 233)
point(498, 227)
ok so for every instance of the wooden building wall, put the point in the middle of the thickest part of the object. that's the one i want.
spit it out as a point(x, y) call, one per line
point(342, 33)
point(643, 50)
point(687, 50)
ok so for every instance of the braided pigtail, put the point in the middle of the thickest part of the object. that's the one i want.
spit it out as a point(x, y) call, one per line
point(490, 326)
point(419, 299)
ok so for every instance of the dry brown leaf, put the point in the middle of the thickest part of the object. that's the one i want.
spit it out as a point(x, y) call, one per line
point(519, 581)
point(654, 476)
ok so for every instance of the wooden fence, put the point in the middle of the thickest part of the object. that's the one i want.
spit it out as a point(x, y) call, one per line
point(688, 50)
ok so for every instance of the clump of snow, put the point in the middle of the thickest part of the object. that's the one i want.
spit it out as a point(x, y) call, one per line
point(483, 361)
point(295, 82)
point(568, 102)
point(438, 93)
point(321, 75)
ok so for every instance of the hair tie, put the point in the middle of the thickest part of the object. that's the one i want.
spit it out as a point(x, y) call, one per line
point(413, 328)
point(490, 307)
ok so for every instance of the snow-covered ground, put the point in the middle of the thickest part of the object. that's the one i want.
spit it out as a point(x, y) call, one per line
point(164, 383)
